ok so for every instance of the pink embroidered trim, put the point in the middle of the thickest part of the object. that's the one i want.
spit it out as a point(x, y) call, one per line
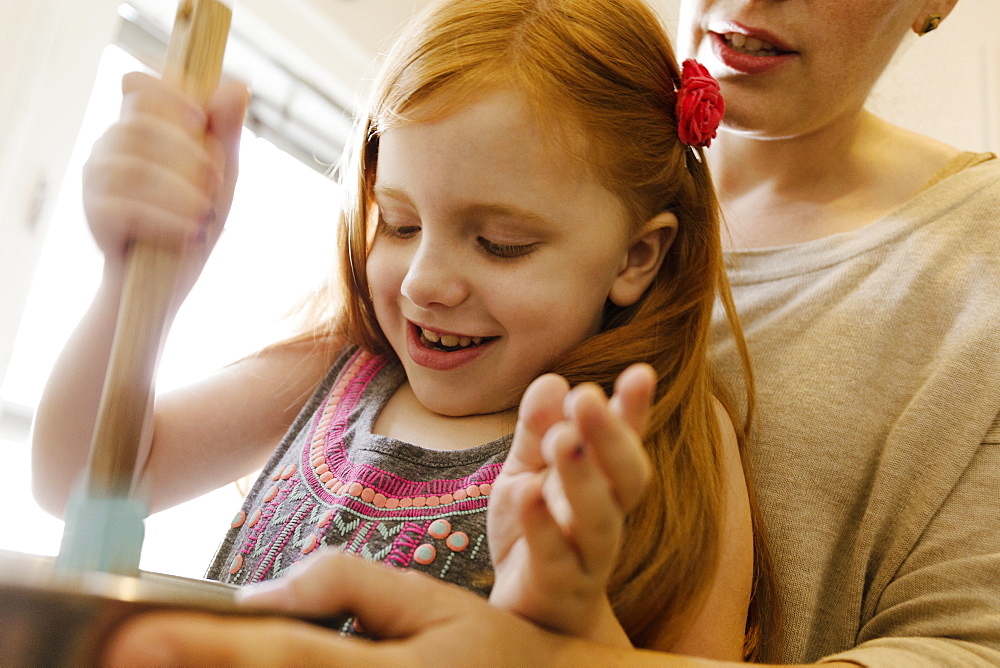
point(326, 468)
point(323, 467)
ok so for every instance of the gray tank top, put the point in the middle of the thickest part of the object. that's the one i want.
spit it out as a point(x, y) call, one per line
point(332, 482)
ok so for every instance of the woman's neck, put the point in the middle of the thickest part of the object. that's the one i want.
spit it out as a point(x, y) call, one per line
point(776, 192)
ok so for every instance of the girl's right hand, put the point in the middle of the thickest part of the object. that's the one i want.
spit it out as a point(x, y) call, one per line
point(165, 173)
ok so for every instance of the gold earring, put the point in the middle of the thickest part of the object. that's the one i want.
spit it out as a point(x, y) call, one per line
point(932, 22)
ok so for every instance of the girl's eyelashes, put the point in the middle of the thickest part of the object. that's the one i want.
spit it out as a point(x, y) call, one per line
point(396, 231)
point(505, 250)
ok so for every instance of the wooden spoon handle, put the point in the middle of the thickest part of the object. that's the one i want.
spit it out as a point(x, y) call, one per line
point(193, 63)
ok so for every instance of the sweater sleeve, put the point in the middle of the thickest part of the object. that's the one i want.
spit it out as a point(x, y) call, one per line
point(942, 608)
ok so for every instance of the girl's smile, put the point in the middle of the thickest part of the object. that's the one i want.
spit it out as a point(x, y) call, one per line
point(447, 342)
point(442, 352)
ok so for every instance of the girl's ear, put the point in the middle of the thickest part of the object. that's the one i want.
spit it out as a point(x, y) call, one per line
point(643, 259)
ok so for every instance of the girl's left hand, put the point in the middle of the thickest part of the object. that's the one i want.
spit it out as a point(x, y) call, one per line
point(576, 467)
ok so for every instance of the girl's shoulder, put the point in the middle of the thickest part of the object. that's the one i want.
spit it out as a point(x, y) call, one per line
point(723, 611)
point(299, 363)
point(731, 464)
point(727, 430)
point(270, 386)
point(733, 473)
point(232, 420)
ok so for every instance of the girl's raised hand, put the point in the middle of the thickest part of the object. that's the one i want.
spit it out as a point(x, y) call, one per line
point(165, 173)
point(576, 467)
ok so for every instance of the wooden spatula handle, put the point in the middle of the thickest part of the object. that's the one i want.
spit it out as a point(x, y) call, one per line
point(194, 63)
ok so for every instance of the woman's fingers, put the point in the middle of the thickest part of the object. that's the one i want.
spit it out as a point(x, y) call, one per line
point(197, 639)
point(423, 619)
point(390, 603)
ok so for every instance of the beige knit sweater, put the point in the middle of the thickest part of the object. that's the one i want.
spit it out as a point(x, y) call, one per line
point(875, 449)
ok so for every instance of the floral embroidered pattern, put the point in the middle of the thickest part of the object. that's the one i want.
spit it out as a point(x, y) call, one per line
point(317, 495)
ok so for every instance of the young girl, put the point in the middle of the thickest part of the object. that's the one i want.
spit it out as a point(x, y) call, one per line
point(520, 202)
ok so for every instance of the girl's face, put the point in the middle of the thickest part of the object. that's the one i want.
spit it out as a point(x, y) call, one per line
point(791, 67)
point(494, 253)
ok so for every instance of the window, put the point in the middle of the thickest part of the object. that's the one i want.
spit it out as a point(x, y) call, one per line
point(278, 242)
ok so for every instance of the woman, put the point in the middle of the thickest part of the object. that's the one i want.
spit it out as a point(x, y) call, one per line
point(861, 257)
point(865, 261)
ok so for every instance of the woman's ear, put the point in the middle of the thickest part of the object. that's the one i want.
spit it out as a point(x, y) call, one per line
point(933, 12)
point(643, 259)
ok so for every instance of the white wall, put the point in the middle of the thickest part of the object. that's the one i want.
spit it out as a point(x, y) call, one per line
point(50, 53)
point(946, 84)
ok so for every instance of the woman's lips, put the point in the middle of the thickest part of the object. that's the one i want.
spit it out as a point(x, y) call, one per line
point(748, 53)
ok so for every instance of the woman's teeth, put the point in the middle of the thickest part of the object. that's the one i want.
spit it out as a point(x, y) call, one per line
point(750, 46)
point(440, 341)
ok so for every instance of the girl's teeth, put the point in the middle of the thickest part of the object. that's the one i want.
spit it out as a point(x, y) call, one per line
point(449, 340)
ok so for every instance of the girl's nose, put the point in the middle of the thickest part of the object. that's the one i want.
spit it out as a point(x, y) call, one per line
point(434, 278)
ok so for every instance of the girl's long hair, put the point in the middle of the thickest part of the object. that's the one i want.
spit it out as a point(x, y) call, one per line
point(606, 68)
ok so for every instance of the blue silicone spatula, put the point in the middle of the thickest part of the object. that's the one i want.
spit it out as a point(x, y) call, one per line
point(104, 519)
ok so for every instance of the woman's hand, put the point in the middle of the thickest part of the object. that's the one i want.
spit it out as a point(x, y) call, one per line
point(419, 620)
point(576, 467)
point(165, 173)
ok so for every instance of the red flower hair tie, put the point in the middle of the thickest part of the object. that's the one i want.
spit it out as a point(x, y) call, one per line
point(700, 106)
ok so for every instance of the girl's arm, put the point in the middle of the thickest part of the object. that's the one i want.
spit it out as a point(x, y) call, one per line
point(198, 437)
point(164, 174)
point(227, 425)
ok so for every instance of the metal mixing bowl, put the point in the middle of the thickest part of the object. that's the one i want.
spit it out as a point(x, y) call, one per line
point(51, 619)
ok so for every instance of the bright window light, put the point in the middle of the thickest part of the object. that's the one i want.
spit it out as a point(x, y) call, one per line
point(278, 243)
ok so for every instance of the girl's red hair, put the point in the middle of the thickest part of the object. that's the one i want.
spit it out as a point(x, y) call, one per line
point(604, 69)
